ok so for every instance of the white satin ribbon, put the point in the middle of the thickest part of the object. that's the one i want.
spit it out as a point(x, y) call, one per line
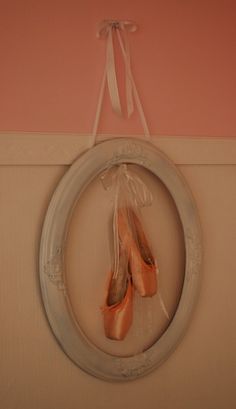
point(138, 192)
point(106, 30)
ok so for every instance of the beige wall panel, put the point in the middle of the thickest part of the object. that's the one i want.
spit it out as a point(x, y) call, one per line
point(34, 371)
point(62, 149)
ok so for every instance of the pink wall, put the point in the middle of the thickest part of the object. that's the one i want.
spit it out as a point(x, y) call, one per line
point(184, 62)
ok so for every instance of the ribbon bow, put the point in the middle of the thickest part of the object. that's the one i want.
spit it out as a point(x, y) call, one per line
point(106, 30)
point(106, 25)
point(133, 188)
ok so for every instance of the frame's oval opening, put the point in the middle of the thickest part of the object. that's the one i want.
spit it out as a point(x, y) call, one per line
point(88, 260)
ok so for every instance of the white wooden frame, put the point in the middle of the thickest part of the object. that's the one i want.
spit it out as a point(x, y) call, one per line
point(68, 333)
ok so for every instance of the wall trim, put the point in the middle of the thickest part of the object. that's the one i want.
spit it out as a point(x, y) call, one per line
point(34, 148)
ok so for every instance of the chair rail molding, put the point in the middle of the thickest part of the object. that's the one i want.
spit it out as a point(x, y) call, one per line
point(34, 148)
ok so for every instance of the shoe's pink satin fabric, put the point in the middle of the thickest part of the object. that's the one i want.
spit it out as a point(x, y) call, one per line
point(143, 273)
point(118, 317)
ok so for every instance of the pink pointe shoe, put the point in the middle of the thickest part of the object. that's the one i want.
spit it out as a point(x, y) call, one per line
point(141, 261)
point(118, 316)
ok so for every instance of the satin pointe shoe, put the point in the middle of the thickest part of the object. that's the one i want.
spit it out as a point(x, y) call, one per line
point(141, 261)
point(118, 317)
point(118, 310)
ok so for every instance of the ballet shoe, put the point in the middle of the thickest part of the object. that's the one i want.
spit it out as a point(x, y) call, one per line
point(118, 316)
point(143, 274)
point(141, 261)
point(118, 281)
point(124, 229)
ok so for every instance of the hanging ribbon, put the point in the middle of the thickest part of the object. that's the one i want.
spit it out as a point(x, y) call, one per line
point(107, 29)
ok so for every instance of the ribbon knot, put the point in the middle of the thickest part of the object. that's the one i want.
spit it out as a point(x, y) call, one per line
point(106, 25)
point(132, 186)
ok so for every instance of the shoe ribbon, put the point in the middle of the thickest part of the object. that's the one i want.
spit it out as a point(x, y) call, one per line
point(127, 184)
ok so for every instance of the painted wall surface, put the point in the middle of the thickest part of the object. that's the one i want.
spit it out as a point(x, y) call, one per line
point(184, 62)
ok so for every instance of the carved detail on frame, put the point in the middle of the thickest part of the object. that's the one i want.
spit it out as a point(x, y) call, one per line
point(135, 367)
point(195, 254)
point(129, 151)
point(54, 269)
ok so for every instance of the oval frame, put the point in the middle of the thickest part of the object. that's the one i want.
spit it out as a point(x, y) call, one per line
point(51, 264)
